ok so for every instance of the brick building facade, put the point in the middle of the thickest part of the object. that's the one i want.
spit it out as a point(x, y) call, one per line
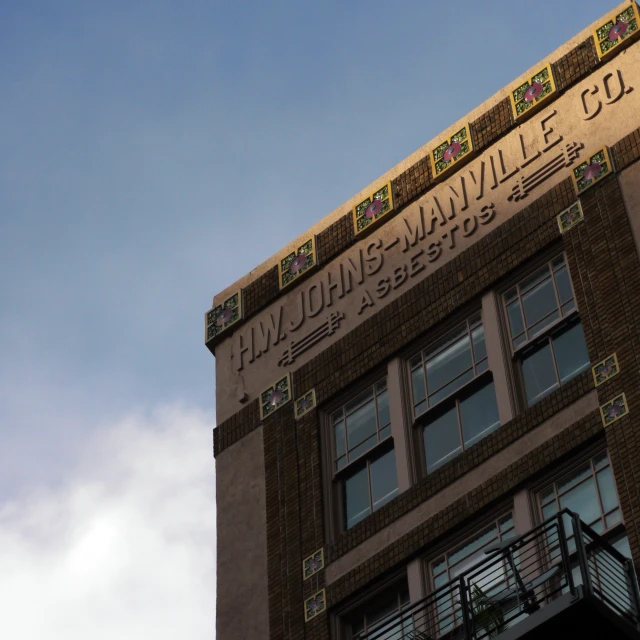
point(409, 394)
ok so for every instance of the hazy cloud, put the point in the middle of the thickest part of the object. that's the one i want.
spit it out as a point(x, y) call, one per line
point(124, 548)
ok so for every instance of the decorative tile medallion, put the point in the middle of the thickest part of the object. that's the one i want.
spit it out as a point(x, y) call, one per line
point(305, 403)
point(277, 395)
point(314, 605)
point(451, 151)
point(617, 30)
point(590, 171)
point(372, 209)
point(570, 217)
point(614, 410)
point(313, 564)
point(297, 263)
point(606, 369)
point(533, 92)
point(219, 318)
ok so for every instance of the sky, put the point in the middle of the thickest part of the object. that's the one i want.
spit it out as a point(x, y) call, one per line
point(151, 153)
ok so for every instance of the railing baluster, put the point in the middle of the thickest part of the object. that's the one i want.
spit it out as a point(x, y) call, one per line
point(468, 622)
point(564, 553)
point(582, 555)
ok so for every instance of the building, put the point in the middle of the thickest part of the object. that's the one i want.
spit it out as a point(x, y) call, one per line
point(411, 394)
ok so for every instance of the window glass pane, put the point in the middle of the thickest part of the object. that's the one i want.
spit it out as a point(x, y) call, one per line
point(550, 510)
point(337, 415)
point(601, 460)
point(571, 353)
point(369, 443)
point(482, 366)
point(557, 262)
point(449, 363)
point(357, 401)
point(451, 387)
point(539, 374)
point(441, 439)
point(568, 306)
point(381, 386)
point(479, 347)
point(512, 294)
point(341, 462)
point(540, 326)
point(361, 424)
point(384, 479)
point(539, 302)
point(506, 524)
point(534, 279)
point(417, 385)
point(581, 473)
point(564, 285)
point(471, 547)
point(420, 408)
point(479, 414)
point(438, 566)
point(607, 489)
point(613, 518)
point(385, 432)
point(515, 318)
point(356, 497)
point(338, 430)
point(383, 409)
point(547, 494)
point(583, 499)
point(383, 607)
point(622, 546)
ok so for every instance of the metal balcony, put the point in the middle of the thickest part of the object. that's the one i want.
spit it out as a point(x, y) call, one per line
point(560, 579)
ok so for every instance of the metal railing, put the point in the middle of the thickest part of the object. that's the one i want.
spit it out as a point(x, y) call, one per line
point(517, 578)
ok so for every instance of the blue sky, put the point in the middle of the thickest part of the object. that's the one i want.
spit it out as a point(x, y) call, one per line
point(152, 153)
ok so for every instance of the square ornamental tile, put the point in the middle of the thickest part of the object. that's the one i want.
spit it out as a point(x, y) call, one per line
point(618, 30)
point(614, 410)
point(373, 209)
point(298, 263)
point(220, 318)
point(570, 217)
point(591, 171)
point(315, 605)
point(274, 397)
point(313, 564)
point(452, 151)
point(532, 93)
point(605, 369)
point(305, 403)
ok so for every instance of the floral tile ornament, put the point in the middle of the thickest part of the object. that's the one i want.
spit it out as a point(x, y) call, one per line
point(529, 95)
point(372, 209)
point(617, 30)
point(313, 564)
point(605, 369)
point(451, 151)
point(305, 404)
point(297, 263)
point(593, 170)
point(221, 317)
point(570, 217)
point(315, 605)
point(277, 395)
point(614, 410)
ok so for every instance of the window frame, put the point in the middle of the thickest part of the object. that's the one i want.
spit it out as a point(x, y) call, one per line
point(515, 373)
point(340, 619)
point(562, 471)
point(479, 380)
point(332, 480)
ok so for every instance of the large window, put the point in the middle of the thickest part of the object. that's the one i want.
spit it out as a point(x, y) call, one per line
point(364, 464)
point(373, 616)
point(589, 490)
point(451, 385)
point(545, 331)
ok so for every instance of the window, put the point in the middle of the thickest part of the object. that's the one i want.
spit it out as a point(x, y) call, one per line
point(545, 331)
point(364, 464)
point(374, 616)
point(589, 490)
point(452, 385)
point(463, 557)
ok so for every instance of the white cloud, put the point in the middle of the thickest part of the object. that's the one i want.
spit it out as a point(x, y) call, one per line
point(124, 548)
